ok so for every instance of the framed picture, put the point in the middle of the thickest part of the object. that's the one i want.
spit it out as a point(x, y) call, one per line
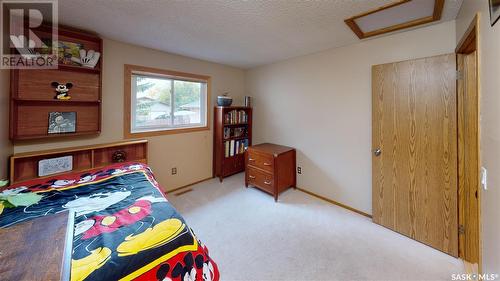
point(55, 165)
point(494, 11)
point(62, 122)
point(68, 50)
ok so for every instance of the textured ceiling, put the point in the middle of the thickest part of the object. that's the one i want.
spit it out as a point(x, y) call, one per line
point(239, 33)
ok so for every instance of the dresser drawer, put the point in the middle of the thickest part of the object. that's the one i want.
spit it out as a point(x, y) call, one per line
point(261, 161)
point(260, 179)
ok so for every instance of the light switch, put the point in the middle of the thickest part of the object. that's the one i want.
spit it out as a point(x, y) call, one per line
point(484, 178)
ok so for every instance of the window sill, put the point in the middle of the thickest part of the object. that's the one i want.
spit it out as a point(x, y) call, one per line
point(129, 135)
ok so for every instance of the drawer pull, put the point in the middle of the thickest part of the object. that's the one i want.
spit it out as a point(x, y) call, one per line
point(267, 182)
point(267, 164)
point(252, 177)
point(251, 159)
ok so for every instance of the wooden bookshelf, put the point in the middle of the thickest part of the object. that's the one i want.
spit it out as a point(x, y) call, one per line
point(229, 158)
point(32, 95)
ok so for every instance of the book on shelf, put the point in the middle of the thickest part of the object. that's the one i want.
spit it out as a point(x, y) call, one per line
point(226, 145)
point(235, 132)
point(231, 148)
point(236, 117)
point(235, 147)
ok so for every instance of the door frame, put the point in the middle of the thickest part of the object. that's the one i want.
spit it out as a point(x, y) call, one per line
point(469, 43)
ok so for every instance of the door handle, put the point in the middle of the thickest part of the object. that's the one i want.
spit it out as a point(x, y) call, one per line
point(252, 177)
point(377, 152)
point(267, 182)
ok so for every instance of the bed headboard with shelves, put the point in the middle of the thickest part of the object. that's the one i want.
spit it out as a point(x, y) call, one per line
point(25, 166)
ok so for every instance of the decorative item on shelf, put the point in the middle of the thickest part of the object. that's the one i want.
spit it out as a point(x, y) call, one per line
point(62, 90)
point(119, 156)
point(238, 132)
point(62, 122)
point(227, 133)
point(494, 11)
point(68, 51)
point(248, 101)
point(87, 59)
point(224, 100)
point(55, 165)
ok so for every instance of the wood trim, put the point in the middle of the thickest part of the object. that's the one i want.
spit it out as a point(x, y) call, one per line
point(166, 73)
point(183, 192)
point(381, 8)
point(130, 69)
point(187, 185)
point(470, 36)
point(165, 132)
point(468, 44)
point(355, 28)
point(335, 203)
point(351, 22)
point(438, 9)
point(470, 268)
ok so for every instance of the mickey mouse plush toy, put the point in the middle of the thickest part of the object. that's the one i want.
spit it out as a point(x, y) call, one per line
point(62, 90)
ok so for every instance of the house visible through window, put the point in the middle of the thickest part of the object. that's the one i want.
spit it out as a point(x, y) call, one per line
point(162, 102)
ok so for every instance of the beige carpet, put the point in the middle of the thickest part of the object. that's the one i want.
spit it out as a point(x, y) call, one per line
point(301, 238)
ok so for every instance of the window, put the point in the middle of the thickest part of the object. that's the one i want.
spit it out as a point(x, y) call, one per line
point(164, 102)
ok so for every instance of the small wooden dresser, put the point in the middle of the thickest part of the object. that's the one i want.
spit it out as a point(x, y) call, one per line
point(270, 167)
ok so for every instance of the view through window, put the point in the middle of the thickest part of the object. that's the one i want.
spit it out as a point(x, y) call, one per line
point(165, 103)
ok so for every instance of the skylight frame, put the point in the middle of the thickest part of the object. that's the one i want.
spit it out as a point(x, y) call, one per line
point(351, 22)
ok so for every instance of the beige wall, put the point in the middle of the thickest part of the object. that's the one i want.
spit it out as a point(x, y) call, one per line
point(321, 105)
point(490, 125)
point(191, 153)
point(6, 147)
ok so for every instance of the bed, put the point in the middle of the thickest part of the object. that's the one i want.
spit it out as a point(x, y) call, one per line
point(125, 228)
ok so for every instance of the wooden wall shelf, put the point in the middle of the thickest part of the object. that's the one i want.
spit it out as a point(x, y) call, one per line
point(78, 69)
point(32, 96)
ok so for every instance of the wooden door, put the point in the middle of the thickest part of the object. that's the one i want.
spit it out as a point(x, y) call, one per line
point(414, 173)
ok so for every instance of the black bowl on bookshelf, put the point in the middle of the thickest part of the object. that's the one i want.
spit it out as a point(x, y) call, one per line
point(224, 101)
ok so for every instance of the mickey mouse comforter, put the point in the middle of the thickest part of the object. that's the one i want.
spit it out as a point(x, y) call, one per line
point(125, 229)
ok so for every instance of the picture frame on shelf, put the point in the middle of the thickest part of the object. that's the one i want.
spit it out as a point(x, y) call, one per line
point(67, 51)
point(62, 122)
point(56, 165)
